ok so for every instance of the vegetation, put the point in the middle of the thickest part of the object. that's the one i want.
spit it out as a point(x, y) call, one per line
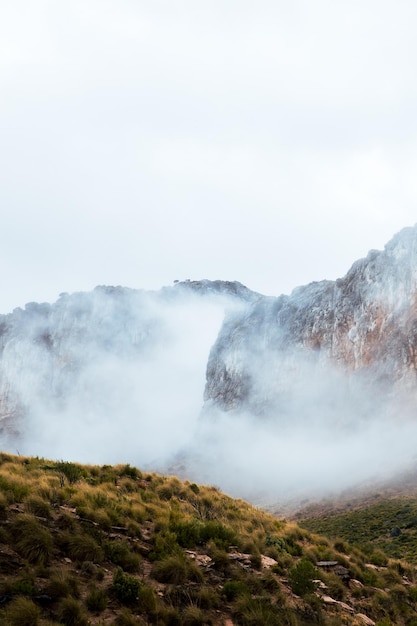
point(387, 527)
point(95, 545)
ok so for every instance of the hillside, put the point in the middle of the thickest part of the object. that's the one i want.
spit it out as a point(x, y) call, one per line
point(383, 515)
point(113, 545)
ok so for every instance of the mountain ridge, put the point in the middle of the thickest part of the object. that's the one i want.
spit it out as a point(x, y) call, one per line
point(365, 320)
point(191, 368)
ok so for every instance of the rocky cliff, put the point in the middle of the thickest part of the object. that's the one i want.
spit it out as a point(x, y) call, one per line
point(363, 325)
point(115, 360)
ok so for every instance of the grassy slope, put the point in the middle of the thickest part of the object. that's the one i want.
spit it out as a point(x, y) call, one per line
point(389, 524)
point(111, 545)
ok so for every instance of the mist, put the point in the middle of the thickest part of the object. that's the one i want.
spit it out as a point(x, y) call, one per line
point(118, 376)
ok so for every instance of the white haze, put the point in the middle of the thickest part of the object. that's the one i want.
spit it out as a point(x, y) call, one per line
point(144, 406)
point(270, 142)
point(125, 407)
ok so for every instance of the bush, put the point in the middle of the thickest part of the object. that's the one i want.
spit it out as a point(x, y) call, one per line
point(13, 490)
point(81, 547)
point(336, 588)
point(38, 506)
point(165, 544)
point(70, 471)
point(193, 616)
point(233, 589)
point(269, 583)
point(119, 553)
point(131, 472)
point(147, 600)
point(176, 570)
point(126, 588)
point(256, 612)
point(3, 506)
point(96, 600)
point(341, 546)
point(58, 586)
point(24, 586)
point(61, 584)
point(221, 559)
point(256, 560)
point(22, 612)
point(207, 598)
point(412, 592)
point(70, 613)
point(31, 540)
point(377, 557)
point(194, 533)
point(301, 577)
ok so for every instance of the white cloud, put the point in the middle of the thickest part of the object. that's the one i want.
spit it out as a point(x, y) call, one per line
point(143, 142)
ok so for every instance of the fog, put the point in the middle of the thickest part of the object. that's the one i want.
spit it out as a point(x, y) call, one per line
point(119, 378)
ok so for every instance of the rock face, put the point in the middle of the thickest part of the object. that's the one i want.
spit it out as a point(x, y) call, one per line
point(364, 324)
point(110, 357)
point(348, 344)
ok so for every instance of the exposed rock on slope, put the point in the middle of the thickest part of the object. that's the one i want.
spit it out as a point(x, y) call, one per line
point(112, 359)
point(364, 324)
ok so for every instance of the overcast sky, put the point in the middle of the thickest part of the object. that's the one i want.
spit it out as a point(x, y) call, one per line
point(270, 142)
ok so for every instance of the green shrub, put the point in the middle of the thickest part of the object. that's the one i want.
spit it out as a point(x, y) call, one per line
point(195, 532)
point(412, 592)
point(377, 557)
point(31, 540)
point(221, 559)
point(194, 616)
point(81, 547)
point(256, 612)
point(70, 613)
point(66, 522)
point(22, 612)
point(13, 490)
point(165, 544)
point(119, 553)
point(256, 560)
point(3, 506)
point(399, 593)
point(96, 600)
point(233, 589)
point(38, 506)
point(336, 588)
point(70, 471)
point(176, 570)
point(207, 598)
point(62, 583)
point(24, 586)
point(58, 586)
point(301, 577)
point(341, 546)
point(269, 583)
point(147, 600)
point(131, 472)
point(125, 587)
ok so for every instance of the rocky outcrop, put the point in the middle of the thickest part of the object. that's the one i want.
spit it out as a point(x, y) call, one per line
point(94, 357)
point(332, 348)
point(364, 324)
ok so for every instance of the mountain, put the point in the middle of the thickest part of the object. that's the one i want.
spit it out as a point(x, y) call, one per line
point(364, 325)
point(115, 359)
point(314, 389)
point(90, 545)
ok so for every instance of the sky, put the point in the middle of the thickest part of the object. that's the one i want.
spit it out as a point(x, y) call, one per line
point(270, 142)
